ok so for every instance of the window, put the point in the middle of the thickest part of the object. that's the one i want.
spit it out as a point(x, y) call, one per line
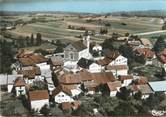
point(71, 56)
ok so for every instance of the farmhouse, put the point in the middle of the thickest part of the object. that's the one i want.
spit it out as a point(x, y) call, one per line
point(38, 99)
point(62, 94)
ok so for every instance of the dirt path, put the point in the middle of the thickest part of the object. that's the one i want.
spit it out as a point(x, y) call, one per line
point(149, 33)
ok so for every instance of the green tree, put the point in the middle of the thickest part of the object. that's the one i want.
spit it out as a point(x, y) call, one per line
point(32, 40)
point(124, 93)
point(160, 44)
point(45, 110)
point(124, 109)
point(38, 39)
point(55, 79)
point(126, 51)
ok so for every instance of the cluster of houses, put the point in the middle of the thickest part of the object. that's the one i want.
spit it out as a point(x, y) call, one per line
point(78, 72)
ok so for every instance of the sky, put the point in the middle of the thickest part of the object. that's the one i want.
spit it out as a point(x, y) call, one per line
point(95, 6)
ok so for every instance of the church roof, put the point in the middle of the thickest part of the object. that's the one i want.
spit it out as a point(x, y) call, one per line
point(78, 45)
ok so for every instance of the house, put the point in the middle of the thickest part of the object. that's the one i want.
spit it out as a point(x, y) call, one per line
point(162, 58)
point(119, 60)
point(145, 90)
point(56, 62)
point(73, 88)
point(115, 57)
point(158, 86)
point(77, 50)
point(112, 55)
point(31, 60)
point(30, 75)
point(113, 87)
point(70, 79)
point(118, 69)
point(20, 86)
point(148, 54)
point(125, 79)
point(84, 63)
point(90, 65)
point(62, 94)
point(146, 42)
point(104, 61)
point(38, 99)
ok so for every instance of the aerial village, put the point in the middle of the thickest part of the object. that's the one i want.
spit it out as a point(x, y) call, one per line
point(84, 68)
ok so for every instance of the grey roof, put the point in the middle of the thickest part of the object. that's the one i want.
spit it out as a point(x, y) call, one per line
point(158, 86)
point(78, 45)
point(8, 79)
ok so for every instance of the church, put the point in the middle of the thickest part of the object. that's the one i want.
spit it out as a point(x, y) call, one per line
point(77, 50)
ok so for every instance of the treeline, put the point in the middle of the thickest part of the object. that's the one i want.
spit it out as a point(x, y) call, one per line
point(151, 13)
point(7, 52)
point(27, 41)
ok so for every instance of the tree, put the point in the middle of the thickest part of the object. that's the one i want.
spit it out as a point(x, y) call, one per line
point(126, 51)
point(160, 44)
point(32, 40)
point(107, 44)
point(153, 101)
point(164, 26)
point(45, 110)
point(103, 31)
point(55, 79)
point(138, 95)
point(124, 109)
point(38, 39)
point(124, 93)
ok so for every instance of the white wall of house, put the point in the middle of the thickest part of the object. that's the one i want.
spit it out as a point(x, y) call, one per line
point(20, 90)
point(164, 66)
point(45, 70)
point(29, 81)
point(9, 88)
point(38, 104)
point(148, 62)
point(94, 67)
point(120, 60)
point(120, 72)
point(63, 97)
point(91, 92)
point(145, 96)
point(113, 93)
point(127, 82)
point(75, 92)
point(84, 54)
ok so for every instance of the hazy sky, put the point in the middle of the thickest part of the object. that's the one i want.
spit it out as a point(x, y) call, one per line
point(82, 5)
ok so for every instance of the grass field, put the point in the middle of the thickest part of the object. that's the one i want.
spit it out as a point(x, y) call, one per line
point(58, 29)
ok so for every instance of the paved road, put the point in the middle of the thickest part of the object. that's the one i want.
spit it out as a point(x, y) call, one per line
point(149, 33)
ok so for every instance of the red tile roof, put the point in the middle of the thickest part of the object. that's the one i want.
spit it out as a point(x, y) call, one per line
point(70, 79)
point(104, 61)
point(162, 56)
point(117, 67)
point(146, 52)
point(111, 54)
point(125, 77)
point(38, 95)
point(103, 77)
point(30, 73)
point(61, 88)
point(32, 59)
point(114, 85)
point(19, 82)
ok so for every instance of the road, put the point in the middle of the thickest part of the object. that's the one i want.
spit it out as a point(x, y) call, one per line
point(149, 33)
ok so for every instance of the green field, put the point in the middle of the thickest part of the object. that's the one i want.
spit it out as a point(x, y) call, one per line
point(55, 28)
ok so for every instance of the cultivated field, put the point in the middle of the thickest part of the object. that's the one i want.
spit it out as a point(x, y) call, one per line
point(56, 26)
